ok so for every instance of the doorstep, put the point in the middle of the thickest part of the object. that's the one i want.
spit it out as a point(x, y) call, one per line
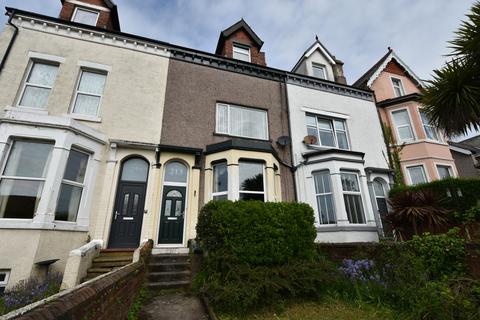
point(170, 250)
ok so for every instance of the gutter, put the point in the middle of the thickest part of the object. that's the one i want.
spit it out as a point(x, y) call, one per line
point(12, 40)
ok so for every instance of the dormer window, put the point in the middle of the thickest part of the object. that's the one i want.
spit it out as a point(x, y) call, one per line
point(241, 52)
point(398, 87)
point(319, 71)
point(85, 16)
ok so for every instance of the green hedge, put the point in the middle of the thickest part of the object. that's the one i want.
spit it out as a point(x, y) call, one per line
point(257, 233)
point(468, 197)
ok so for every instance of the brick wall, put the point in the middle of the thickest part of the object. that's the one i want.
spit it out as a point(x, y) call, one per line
point(104, 20)
point(241, 36)
point(109, 297)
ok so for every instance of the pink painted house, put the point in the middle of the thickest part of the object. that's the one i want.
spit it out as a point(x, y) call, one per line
point(426, 155)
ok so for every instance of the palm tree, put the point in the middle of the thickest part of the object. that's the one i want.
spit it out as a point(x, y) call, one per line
point(452, 97)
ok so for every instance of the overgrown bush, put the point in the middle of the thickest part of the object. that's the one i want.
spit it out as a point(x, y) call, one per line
point(257, 233)
point(29, 291)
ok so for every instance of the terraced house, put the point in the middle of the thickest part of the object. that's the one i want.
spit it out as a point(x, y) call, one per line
point(108, 139)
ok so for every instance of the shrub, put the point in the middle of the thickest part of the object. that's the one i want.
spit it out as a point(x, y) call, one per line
point(443, 255)
point(257, 233)
point(31, 290)
point(458, 194)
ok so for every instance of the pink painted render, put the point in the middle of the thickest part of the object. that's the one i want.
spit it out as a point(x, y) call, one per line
point(421, 150)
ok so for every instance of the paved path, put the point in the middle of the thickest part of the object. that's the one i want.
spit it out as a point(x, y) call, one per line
point(173, 306)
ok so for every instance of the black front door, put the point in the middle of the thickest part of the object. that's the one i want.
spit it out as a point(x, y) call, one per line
point(128, 215)
point(172, 217)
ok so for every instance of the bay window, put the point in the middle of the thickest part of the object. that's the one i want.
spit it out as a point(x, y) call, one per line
point(72, 187)
point(241, 121)
point(251, 182)
point(324, 196)
point(444, 172)
point(22, 180)
point(89, 93)
point(329, 132)
point(402, 123)
point(38, 84)
point(220, 181)
point(352, 197)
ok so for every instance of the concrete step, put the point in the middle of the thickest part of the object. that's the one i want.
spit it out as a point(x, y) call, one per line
point(113, 259)
point(169, 276)
point(168, 266)
point(168, 285)
point(165, 258)
point(99, 270)
point(110, 264)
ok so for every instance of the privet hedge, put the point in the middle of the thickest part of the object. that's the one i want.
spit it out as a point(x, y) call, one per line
point(257, 233)
point(458, 194)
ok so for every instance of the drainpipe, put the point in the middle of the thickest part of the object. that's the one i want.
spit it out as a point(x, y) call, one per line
point(293, 168)
point(12, 40)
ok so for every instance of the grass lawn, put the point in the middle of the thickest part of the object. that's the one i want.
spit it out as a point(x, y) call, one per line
point(333, 310)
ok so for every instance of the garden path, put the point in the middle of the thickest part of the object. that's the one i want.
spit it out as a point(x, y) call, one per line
point(173, 306)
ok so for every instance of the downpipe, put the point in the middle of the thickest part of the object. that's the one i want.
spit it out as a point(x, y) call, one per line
point(12, 40)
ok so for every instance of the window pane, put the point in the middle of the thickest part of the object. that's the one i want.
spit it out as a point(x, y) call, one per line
point(68, 203)
point(251, 176)
point(220, 177)
point(311, 121)
point(248, 123)
point(35, 97)
point(378, 188)
point(431, 133)
point(43, 74)
point(222, 118)
point(168, 208)
point(417, 174)
point(401, 118)
point(340, 125)
point(87, 105)
point(350, 182)
point(326, 211)
point(318, 71)
point(19, 198)
point(342, 140)
point(76, 166)
point(174, 194)
point(353, 205)
point(313, 132)
point(322, 182)
point(92, 82)
point(444, 172)
point(176, 172)
point(241, 53)
point(220, 197)
point(325, 124)
point(326, 138)
point(405, 133)
point(85, 17)
point(28, 159)
point(252, 196)
point(135, 170)
point(136, 198)
point(178, 208)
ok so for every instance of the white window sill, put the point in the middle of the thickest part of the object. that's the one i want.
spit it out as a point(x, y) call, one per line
point(83, 117)
point(29, 224)
point(420, 141)
point(26, 109)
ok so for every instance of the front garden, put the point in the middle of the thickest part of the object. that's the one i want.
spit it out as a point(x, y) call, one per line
point(261, 262)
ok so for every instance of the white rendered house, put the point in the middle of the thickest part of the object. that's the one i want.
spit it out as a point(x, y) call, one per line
point(339, 154)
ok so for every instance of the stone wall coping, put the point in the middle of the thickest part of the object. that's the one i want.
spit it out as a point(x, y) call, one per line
point(82, 251)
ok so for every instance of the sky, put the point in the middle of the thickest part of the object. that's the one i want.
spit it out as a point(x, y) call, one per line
point(356, 32)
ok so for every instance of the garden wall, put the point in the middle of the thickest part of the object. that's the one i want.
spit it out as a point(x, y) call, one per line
point(106, 297)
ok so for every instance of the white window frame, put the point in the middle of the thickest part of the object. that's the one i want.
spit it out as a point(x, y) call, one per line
point(427, 178)
point(4, 283)
point(401, 87)
point(77, 92)
point(264, 170)
point(319, 66)
point(25, 83)
point(237, 49)
point(84, 9)
point(397, 132)
point(314, 174)
point(220, 193)
point(450, 170)
point(334, 130)
point(73, 183)
point(355, 193)
point(44, 179)
point(228, 121)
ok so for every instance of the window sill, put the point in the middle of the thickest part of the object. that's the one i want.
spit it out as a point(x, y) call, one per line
point(84, 117)
point(348, 228)
point(26, 109)
point(318, 147)
point(30, 225)
point(240, 137)
point(420, 141)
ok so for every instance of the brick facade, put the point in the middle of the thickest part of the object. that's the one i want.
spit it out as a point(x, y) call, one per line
point(242, 37)
point(105, 298)
point(104, 19)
